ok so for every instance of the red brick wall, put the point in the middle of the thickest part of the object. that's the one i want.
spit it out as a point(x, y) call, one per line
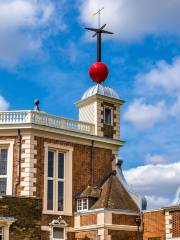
point(154, 225)
point(123, 219)
point(92, 235)
point(81, 164)
point(81, 168)
point(123, 235)
point(175, 224)
point(88, 220)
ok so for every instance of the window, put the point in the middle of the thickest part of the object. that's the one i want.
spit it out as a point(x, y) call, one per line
point(55, 181)
point(1, 233)
point(58, 233)
point(108, 115)
point(82, 204)
point(3, 170)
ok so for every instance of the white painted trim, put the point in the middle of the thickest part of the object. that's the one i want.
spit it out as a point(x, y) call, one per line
point(5, 224)
point(45, 228)
point(67, 179)
point(58, 134)
point(9, 144)
point(114, 211)
point(108, 226)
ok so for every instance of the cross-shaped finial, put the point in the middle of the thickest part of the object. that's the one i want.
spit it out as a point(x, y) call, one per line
point(98, 32)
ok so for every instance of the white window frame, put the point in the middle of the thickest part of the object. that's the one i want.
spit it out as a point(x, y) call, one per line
point(10, 146)
point(80, 202)
point(111, 108)
point(67, 203)
point(53, 233)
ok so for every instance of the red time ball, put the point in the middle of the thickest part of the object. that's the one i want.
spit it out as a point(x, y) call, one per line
point(98, 72)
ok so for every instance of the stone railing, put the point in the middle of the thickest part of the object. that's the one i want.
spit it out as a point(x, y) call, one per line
point(42, 118)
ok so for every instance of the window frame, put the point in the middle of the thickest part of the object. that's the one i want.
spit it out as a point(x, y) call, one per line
point(80, 202)
point(53, 233)
point(111, 109)
point(67, 203)
point(9, 145)
point(55, 178)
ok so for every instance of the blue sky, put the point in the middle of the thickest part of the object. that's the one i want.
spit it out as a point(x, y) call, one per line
point(45, 53)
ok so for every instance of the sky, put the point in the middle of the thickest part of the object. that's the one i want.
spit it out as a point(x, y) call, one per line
point(45, 53)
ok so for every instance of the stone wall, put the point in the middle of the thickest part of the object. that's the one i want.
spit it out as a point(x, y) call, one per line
point(27, 212)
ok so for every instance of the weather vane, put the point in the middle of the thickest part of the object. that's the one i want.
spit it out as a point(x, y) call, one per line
point(99, 16)
point(98, 32)
point(99, 71)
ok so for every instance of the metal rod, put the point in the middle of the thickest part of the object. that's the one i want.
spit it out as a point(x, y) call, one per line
point(99, 47)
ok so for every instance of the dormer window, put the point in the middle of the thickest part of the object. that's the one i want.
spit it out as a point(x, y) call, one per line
point(82, 204)
point(108, 118)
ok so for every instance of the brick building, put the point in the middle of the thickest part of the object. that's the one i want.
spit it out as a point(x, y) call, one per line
point(61, 178)
point(162, 224)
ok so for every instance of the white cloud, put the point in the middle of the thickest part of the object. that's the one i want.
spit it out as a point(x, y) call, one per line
point(23, 26)
point(155, 202)
point(175, 110)
point(142, 115)
point(158, 182)
point(155, 159)
point(163, 77)
point(134, 19)
point(4, 105)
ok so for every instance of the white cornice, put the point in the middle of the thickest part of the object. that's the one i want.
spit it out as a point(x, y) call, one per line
point(45, 131)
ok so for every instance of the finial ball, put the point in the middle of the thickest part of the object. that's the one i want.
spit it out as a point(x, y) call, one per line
point(36, 102)
point(98, 72)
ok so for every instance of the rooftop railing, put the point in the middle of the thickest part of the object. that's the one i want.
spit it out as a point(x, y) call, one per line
point(45, 119)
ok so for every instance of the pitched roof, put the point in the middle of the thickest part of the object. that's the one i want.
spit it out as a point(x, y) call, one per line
point(115, 196)
point(90, 191)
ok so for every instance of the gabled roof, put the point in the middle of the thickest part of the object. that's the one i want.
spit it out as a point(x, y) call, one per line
point(115, 196)
point(90, 192)
point(139, 200)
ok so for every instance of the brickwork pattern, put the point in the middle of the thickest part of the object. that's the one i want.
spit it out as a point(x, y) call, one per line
point(123, 219)
point(92, 235)
point(154, 225)
point(88, 220)
point(108, 130)
point(81, 169)
point(123, 235)
point(175, 224)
